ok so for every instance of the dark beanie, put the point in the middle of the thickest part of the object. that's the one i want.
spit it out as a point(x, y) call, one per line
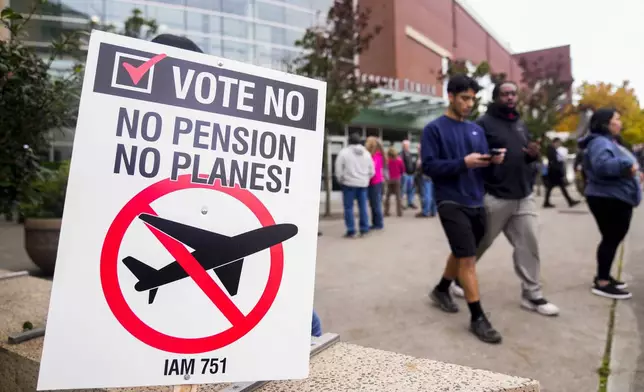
point(600, 119)
point(177, 42)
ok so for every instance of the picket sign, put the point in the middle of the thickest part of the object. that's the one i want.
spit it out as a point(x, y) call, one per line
point(189, 234)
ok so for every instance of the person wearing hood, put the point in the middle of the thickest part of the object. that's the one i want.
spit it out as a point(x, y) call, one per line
point(354, 168)
point(509, 202)
point(612, 191)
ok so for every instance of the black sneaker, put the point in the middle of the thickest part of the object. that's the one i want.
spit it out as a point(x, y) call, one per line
point(618, 283)
point(483, 330)
point(444, 301)
point(610, 291)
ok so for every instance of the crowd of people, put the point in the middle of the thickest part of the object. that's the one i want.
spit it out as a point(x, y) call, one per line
point(478, 177)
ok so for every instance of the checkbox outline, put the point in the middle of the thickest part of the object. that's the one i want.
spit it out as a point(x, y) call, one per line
point(117, 62)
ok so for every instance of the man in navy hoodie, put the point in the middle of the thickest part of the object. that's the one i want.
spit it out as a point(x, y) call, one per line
point(455, 155)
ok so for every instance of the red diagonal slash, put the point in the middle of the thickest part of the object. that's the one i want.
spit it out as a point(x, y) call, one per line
point(198, 274)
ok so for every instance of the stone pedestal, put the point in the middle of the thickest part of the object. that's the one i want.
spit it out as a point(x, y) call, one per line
point(340, 366)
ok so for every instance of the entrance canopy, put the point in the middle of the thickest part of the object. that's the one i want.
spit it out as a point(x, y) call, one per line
point(413, 104)
point(402, 110)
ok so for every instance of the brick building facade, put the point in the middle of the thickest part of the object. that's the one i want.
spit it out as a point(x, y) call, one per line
point(419, 35)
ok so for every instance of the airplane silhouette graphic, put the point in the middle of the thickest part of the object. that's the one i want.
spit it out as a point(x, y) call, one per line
point(223, 254)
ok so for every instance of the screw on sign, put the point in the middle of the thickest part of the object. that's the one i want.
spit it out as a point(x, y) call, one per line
point(212, 251)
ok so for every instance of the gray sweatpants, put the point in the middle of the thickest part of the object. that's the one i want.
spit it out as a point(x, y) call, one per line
point(518, 221)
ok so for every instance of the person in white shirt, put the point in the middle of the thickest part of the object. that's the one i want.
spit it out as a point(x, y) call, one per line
point(353, 170)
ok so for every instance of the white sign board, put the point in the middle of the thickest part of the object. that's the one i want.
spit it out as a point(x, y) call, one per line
point(188, 242)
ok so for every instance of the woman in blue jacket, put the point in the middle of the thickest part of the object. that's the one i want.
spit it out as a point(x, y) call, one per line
point(612, 190)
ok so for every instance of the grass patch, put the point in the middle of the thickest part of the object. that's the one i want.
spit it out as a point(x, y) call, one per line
point(604, 370)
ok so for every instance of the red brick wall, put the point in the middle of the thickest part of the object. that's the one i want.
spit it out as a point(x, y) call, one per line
point(433, 19)
point(448, 25)
point(499, 58)
point(379, 59)
point(515, 71)
point(470, 38)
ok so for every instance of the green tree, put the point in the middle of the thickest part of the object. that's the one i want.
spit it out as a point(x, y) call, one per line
point(33, 103)
point(480, 72)
point(328, 54)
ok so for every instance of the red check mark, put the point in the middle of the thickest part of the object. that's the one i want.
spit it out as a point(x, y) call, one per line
point(136, 73)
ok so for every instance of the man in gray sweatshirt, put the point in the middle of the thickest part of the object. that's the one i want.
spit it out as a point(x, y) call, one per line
point(353, 169)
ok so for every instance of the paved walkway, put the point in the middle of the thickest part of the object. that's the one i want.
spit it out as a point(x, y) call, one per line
point(373, 291)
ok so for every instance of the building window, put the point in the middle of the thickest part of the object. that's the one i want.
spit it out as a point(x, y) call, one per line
point(276, 35)
point(263, 56)
point(373, 132)
point(236, 51)
point(282, 57)
point(237, 7)
point(198, 22)
point(357, 130)
point(213, 5)
point(298, 18)
point(216, 47)
point(235, 28)
point(336, 130)
point(270, 12)
point(173, 2)
point(321, 5)
point(47, 30)
point(292, 36)
point(215, 24)
point(394, 135)
point(117, 11)
point(169, 17)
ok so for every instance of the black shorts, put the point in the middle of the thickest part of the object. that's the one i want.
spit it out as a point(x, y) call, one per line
point(463, 226)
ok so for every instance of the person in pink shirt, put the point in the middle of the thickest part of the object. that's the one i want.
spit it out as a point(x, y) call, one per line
point(375, 148)
point(396, 169)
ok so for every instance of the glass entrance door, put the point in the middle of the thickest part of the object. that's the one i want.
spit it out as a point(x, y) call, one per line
point(336, 144)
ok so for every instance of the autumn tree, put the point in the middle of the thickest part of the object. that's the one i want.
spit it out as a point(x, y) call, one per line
point(328, 54)
point(480, 73)
point(594, 96)
point(544, 96)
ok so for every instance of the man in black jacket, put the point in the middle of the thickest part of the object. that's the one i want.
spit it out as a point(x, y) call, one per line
point(509, 203)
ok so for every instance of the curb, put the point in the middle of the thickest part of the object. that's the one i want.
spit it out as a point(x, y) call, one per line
point(616, 374)
point(604, 369)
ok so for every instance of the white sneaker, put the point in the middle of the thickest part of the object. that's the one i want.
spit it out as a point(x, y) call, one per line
point(540, 306)
point(456, 290)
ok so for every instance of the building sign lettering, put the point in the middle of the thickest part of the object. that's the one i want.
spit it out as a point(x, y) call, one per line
point(396, 84)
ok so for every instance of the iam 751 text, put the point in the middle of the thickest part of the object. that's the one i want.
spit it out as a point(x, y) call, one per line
point(188, 366)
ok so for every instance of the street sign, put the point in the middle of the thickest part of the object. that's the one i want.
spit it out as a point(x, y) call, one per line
point(188, 243)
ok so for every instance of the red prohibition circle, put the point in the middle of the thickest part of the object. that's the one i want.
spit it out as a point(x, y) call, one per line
point(119, 306)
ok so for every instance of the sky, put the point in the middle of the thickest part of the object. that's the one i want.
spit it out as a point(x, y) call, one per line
point(605, 38)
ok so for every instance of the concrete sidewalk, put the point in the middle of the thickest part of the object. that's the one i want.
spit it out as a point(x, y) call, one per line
point(373, 292)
